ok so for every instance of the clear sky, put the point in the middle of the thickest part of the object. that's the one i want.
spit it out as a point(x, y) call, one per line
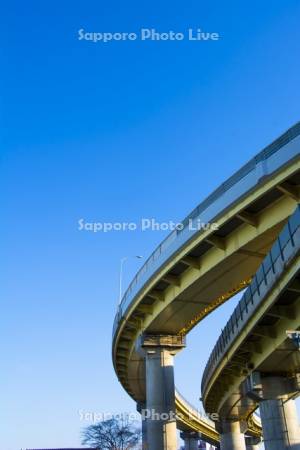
point(116, 132)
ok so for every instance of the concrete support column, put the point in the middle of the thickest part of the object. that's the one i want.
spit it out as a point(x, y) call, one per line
point(141, 408)
point(191, 440)
point(252, 443)
point(232, 437)
point(279, 418)
point(159, 353)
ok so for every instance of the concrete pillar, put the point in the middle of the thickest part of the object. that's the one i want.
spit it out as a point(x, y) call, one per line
point(159, 353)
point(278, 414)
point(191, 440)
point(141, 408)
point(252, 443)
point(232, 437)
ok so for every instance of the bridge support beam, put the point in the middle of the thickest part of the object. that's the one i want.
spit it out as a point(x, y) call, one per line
point(191, 440)
point(159, 354)
point(279, 415)
point(232, 437)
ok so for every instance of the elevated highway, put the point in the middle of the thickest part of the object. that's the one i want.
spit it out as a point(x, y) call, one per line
point(193, 272)
point(254, 352)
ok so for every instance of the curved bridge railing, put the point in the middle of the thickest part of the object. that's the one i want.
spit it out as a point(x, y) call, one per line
point(188, 416)
point(263, 165)
point(202, 423)
point(195, 411)
point(285, 247)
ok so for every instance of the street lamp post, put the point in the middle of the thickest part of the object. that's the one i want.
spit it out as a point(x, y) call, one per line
point(122, 261)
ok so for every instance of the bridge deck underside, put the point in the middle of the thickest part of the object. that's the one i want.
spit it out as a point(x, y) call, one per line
point(182, 294)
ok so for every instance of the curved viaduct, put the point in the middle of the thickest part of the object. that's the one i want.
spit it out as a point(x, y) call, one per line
point(189, 275)
point(256, 360)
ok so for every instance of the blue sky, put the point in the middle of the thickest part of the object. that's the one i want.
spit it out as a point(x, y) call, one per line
point(116, 132)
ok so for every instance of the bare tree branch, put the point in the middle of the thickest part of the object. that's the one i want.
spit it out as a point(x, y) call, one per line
point(112, 434)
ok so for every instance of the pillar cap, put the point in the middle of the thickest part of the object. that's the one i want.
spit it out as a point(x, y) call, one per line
point(163, 340)
point(251, 440)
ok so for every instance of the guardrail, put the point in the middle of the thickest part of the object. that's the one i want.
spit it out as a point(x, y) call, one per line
point(262, 165)
point(286, 245)
point(204, 418)
point(200, 413)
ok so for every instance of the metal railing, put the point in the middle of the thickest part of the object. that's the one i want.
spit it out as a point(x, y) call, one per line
point(200, 413)
point(162, 252)
point(271, 268)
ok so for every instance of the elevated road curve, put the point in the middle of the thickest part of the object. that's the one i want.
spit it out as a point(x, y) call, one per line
point(255, 356)
point(193, 272)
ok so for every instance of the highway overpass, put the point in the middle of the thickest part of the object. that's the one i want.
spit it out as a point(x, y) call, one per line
point(187, 277)
point(256, 360)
